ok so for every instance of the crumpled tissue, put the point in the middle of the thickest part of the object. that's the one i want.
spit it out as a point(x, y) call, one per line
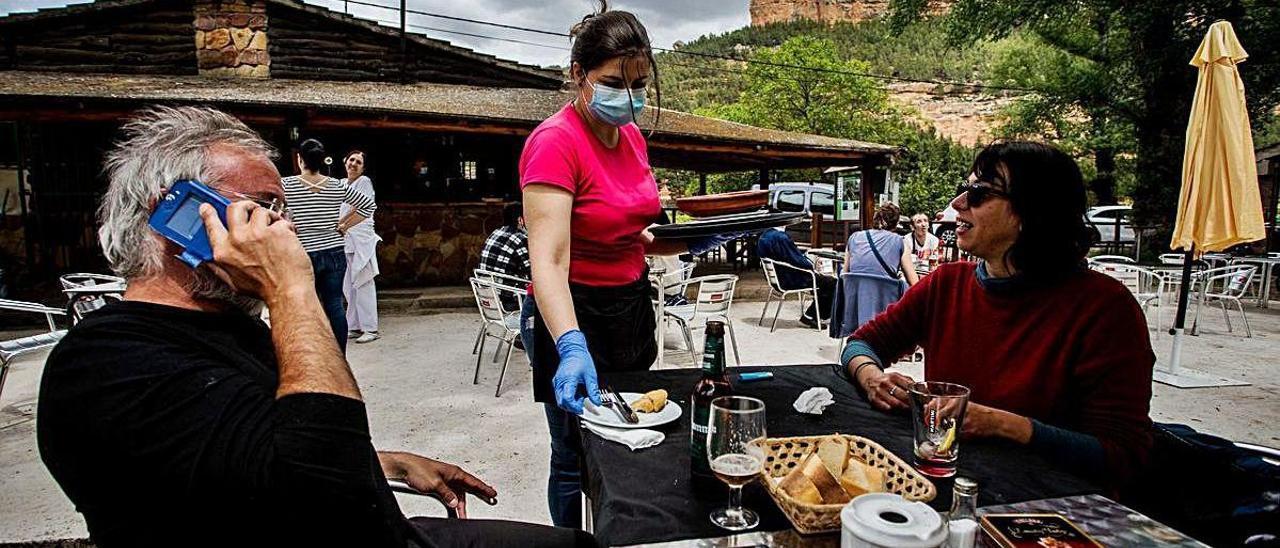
point(814, 400)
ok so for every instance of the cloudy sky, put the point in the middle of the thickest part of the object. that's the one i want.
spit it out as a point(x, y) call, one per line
point(668, 21)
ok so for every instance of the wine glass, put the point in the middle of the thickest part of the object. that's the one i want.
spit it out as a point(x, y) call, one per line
point(735, 449)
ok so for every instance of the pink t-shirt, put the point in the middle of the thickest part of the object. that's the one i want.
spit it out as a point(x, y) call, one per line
point(614, 194)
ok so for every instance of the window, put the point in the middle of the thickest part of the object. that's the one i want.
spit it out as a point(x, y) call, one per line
point(822, 202)
point(468, 170)
point(790, 200)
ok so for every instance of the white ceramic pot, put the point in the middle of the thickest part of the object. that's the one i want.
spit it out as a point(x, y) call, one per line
point(886, 520)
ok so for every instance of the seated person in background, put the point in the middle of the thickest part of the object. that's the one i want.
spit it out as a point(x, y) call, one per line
point(506, 250)
point(177, 418)
point(1056, 356)
point(777, 245)
point(920, 244)
point(880, 250)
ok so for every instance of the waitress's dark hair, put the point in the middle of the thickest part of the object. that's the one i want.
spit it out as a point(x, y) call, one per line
point(1046, 189)
point(606, 34)
point(312, 152)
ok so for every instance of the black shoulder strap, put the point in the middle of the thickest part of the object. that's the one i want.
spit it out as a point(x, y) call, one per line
point(891, 272)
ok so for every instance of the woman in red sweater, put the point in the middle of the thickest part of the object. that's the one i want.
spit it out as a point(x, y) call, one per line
point(1056, 356)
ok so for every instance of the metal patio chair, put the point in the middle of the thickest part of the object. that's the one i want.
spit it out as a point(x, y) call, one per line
point(493, 315)
point(714, 300)
point(804, 295)
point(511, 299)
point(1147, 286)
point(12, 348)
point(1224, 284)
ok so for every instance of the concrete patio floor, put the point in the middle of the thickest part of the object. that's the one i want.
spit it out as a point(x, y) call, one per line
point(417, 384)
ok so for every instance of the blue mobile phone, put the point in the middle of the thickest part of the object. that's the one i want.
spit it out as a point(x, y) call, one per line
point(177, 217)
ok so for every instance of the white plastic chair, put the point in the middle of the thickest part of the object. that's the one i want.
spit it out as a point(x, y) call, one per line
point(492, 314)
point(1225, 284)
point(1147, 286)
point(804, 294)
point(714, 301)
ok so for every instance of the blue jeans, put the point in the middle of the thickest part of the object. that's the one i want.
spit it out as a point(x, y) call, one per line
point(330, 266)
point(564, 485)
point(527, 311)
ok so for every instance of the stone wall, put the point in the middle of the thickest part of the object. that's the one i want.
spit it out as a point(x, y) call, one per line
point(432, 244)
point(231, 38)
point(764, 12)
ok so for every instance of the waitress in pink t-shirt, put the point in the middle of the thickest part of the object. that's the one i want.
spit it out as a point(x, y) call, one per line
point(589, 195)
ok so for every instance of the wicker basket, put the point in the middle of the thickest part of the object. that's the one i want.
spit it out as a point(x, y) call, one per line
point(784, 454)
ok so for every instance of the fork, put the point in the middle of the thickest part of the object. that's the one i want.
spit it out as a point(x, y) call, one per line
point(607, 399)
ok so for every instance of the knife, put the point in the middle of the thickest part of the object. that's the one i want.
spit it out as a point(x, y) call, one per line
point(626, 409)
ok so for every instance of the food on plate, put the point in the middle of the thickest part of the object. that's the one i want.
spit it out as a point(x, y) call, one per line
point(831, 475)
point(651, 402)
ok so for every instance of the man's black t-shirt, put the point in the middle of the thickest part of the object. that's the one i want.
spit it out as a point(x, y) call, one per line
point(162, 426)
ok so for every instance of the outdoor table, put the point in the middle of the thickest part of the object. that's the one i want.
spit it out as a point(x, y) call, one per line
point(646, 496)
point(1107, 521)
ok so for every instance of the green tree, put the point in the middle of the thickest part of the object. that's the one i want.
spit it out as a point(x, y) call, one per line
point(1133, 76)
point(834, 100)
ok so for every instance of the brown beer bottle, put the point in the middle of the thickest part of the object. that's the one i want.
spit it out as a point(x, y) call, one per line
point(713, 384)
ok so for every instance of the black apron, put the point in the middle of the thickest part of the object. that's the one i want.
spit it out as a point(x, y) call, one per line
point(619, 324)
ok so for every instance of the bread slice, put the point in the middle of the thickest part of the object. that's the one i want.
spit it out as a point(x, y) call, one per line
point(860, 478)
point(828, 486)
point(834, 451)
point(799, 487)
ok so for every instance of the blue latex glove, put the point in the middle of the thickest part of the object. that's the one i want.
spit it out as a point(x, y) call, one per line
point(703, 245)
point(576, 368)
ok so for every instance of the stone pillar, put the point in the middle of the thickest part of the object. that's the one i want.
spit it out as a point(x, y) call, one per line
point(231, 38)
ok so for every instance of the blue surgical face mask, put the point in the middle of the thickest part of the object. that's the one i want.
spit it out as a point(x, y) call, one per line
point(615, 106)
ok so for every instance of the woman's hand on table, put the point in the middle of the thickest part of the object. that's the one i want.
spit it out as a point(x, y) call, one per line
point(981, 421)
point(448, 481)
point(886, 391)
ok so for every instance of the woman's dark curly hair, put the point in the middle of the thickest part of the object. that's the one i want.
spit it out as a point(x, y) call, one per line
point(1046, 189)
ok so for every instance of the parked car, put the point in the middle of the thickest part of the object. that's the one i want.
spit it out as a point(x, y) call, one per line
point(1101, 221)
point(806, 197)
point(1104, 220)
point(944, 226)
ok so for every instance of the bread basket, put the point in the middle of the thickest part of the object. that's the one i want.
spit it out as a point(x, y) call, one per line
point(784, 454)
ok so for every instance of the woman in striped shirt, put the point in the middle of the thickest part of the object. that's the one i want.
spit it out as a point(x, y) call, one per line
point(314, 201)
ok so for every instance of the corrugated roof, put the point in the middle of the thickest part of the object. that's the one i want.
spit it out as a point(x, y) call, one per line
point(512, 107)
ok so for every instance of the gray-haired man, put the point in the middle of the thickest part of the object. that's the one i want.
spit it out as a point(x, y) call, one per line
point(175, 418)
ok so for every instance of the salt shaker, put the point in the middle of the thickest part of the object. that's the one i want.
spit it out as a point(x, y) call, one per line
point(962, 520)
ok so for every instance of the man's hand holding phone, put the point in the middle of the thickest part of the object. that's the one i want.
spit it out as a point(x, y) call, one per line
point(257, 252)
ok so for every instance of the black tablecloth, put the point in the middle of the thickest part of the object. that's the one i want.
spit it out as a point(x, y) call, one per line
point(646, 496)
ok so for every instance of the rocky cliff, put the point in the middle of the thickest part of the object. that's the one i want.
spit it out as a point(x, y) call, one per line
point(764, 12)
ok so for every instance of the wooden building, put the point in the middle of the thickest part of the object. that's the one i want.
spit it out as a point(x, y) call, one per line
point(443, 125)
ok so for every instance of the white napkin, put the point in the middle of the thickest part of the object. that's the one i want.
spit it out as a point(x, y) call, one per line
point(635, 438)
point(814, 400)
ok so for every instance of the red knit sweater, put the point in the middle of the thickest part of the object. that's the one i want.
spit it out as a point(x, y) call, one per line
point(1073, 354)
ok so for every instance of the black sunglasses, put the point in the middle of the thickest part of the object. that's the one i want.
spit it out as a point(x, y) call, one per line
point(978, 194)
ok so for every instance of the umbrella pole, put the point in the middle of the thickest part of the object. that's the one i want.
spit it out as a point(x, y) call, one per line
point(1180, 321)
point(1173, 374)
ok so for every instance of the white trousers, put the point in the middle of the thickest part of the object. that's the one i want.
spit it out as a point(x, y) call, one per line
point(362, 301)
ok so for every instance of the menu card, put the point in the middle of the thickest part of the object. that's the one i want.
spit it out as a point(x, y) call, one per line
point(1035, 531)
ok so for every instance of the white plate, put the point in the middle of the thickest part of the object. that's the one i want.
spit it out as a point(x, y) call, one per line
point(605, 416)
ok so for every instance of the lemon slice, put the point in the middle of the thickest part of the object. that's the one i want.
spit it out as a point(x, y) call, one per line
point(947, 442)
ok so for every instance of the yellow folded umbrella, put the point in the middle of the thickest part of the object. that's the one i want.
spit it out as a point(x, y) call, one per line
point(1220, 205)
